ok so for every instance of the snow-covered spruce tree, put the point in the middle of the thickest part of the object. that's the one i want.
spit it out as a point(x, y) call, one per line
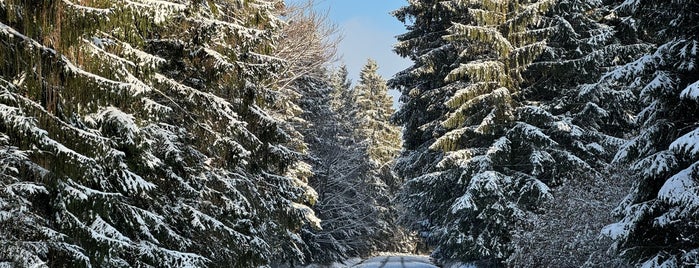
point(309, 47)
point(381, 142)
point(331, 162)
point(423, 91)
point(342, 101)
point(495, 166)
point(334, 165)
point(139, 135)
point(344, 203)
point(586, 39)
point(659, 225)
point(351, 221)
point(354, 201)
point(374, 109)
point(501, 150)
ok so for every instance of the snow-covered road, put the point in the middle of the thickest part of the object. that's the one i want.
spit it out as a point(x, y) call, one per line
point(397, 262)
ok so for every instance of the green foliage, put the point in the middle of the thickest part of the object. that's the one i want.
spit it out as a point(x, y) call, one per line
point(659, 227)
point(373, 109)
point(138, 133)
point(514, 118)
point(352, 145)
point(484, 164)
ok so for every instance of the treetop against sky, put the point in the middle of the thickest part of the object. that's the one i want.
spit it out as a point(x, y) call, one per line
point(368, 30)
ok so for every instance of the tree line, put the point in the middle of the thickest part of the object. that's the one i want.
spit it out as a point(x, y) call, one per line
point(188, 134)
point(543, 133)
point(217, 133)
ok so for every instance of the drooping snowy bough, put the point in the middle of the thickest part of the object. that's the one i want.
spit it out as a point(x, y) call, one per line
point(138, 133)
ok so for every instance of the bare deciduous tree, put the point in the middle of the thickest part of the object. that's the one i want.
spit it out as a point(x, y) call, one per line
point(308, 43)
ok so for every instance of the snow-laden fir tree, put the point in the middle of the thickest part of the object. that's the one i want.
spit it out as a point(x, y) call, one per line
point(137, 133)
point(350, 221)
point(334, 165)
point(380, 141)
point(309, 47)
point(423, 91)
point(659, 225)
point(342, 101)
point(345, 203)
point(354, 202)
point(374, 108)
point(502, 151)
point(495, 166)
point(586, 39)
point(352, 167)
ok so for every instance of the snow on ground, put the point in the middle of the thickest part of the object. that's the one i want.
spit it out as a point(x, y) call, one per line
point(397, 261)
point(347, 263)
point(410, 261)
point(387, 260)
point(459, 265)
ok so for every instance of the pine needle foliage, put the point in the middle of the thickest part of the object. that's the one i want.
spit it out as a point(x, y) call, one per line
point(658, 225)
point(138, 133)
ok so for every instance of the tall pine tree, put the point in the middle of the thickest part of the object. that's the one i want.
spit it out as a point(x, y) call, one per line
point(659, 216)
point(138, 134)
point(380, 142)
point(353, 148)
point(422, 85)
point(493, 165)
point(423, 91)
point(374, 109)
point(504, 146)
point(586, 39)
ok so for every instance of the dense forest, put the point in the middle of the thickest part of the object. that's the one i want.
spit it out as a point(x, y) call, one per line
point(223, 133)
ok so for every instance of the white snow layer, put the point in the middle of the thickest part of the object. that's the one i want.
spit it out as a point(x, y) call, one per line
point(105, 229)
point(488, 181)
point(656, 164)
point(682, 188)
point(688, 143)
point(691, 92)
point(465, 202)
point(308, 214)
point(620, 229)
point(86, 9)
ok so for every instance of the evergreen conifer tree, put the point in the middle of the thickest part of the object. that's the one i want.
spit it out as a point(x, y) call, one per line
point(380, 141)
point(352, 167)
point(423, 91)
point(342, 101)
point(140, 135)
point(586, 38)
point(494, 166)
point(502, 148)
point(333, 167)
point(374, 109)
point(659, 216)
point(422, 85)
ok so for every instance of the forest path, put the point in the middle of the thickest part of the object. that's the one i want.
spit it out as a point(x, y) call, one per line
point(397, 262)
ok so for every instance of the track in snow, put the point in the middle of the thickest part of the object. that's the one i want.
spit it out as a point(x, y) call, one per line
point(397, 262)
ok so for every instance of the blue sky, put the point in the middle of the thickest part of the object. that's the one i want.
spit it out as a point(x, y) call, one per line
point(368, 32)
